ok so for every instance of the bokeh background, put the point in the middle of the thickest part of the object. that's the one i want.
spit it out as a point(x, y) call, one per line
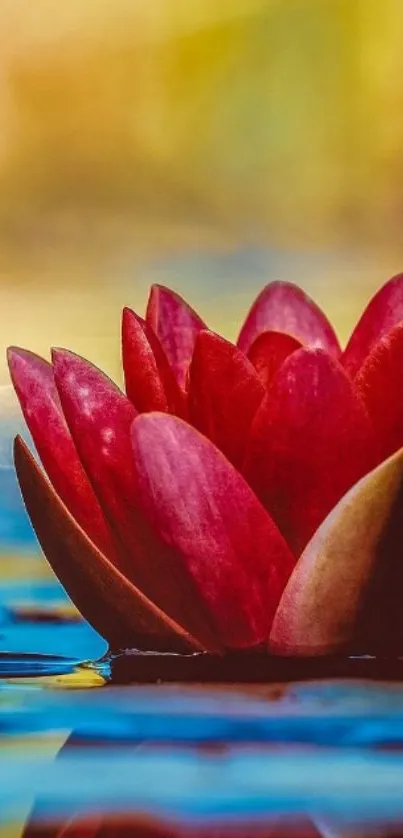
point(208, 145)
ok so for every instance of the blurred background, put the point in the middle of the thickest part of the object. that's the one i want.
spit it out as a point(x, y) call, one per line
point(213, 146)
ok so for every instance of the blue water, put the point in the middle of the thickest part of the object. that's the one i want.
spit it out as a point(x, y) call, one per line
point(194, 757)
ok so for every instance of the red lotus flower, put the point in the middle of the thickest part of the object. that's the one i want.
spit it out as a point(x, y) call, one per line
point(238, 496)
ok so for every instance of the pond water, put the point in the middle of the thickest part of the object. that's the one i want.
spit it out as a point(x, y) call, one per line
point(81, 755)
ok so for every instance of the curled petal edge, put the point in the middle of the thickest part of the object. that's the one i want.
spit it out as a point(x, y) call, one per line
point(112, 604)
point(324, 597)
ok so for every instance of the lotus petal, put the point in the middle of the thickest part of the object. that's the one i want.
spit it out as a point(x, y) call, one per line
point(384, 311)
point(150, 381)
point(310, 441)
point(176, 324)
point(269, 351)
point(176, 395)
point(379, 383)
point(283, 307)
point(224, 394)
point(113, 606)
point(143, 382)
point(34, 383)
point(326, 593)
point(100, 417)
point(225, 542)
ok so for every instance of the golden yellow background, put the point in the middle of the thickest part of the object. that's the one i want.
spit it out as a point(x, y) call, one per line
point(210, 145)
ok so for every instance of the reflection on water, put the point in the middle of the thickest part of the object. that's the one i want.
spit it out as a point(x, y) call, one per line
point(313, 758)
point(204, 757)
